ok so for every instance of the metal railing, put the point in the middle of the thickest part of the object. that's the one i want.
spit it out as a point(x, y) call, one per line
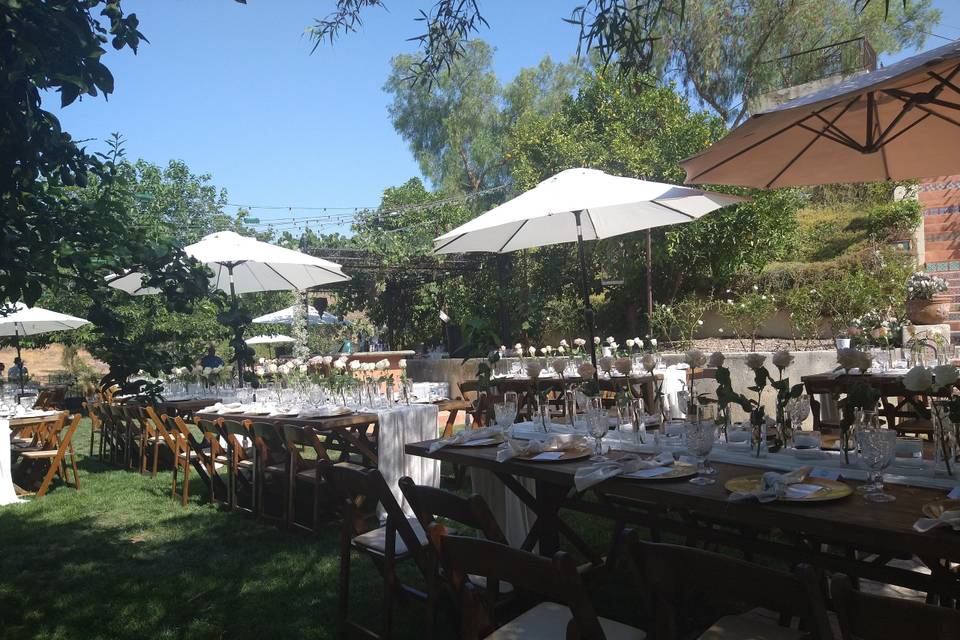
point(837, 59)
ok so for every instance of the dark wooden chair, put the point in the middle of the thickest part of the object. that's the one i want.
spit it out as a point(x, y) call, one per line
point(695, 586)
point(183, 456)
point(39, 464)
point(96, 424)
point(431, 503)
point(359, 490)
point(565, 611)
point(241, 471)
point(212, 455)
point(864, 616)
point(306, 471)
point(272, 470)
point(160, 441)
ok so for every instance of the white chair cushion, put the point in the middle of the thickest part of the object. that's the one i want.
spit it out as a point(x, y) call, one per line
point(748, 628)
point(376, 540)
point(548, 620)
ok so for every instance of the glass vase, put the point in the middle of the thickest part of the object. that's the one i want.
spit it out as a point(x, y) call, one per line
point(760, 447)
point(944, 441)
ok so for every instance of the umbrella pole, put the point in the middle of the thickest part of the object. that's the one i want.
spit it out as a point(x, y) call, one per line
point(16, 340)
point(233, 302)
point(649, 282)
point(585, 290)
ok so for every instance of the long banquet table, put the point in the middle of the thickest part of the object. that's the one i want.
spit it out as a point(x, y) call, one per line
point(849, 535)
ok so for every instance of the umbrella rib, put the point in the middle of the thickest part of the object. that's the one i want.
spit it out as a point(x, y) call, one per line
point(593, 225)
point(832, 137)
point(913, 102)
point(883, 148)
point(447, 244)
point(513, 235)
point(683, 213)
point(806, 147)
point(911, 126)
point(761, 141)
point(852, 142)
point(929, 112)
point(282, 277)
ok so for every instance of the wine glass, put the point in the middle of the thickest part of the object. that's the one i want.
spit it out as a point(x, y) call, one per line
point(504, 414)
point(878, 447)
point(698, 438)
point(597, 427)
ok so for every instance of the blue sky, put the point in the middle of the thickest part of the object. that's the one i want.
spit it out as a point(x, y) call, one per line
point(233, 91)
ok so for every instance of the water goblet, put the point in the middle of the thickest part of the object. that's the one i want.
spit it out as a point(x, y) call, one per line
point(597, 427)
point(878, 447)
point(698, 438)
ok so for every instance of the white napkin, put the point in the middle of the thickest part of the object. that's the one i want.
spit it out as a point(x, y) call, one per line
point(947, 519)
point(467, 435)
point(773, 485)
point(586, 477)
point(512, 448)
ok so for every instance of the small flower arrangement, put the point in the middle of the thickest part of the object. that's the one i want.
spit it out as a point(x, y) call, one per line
point(923, 286)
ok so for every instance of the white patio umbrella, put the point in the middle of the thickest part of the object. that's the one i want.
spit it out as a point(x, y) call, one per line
point(22, 320)
point(274, 338)
point(285, 316)
point(577, 205)
point(242, 264)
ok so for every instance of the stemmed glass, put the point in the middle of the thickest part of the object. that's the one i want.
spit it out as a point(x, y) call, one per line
point(597, 427)
point(878, 447)
point(504, 414)
point(698, 438)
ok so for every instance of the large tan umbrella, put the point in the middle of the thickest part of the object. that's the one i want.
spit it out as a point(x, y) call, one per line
point(895, 123)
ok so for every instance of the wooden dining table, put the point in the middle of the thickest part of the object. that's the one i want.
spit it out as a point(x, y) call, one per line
point(849, 535)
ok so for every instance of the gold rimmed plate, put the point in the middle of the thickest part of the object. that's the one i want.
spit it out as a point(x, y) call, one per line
point(676, 471)
point(936, 508)
point(566, 456)
point(830, 489)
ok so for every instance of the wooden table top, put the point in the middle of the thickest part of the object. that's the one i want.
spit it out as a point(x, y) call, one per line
point(334, 422)
point(879, 526)
point(31, 420)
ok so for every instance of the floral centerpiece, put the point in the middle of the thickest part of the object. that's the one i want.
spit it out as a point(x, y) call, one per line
point(785, 393)
point(926, 302)
point(861, 396)
point(939, 381)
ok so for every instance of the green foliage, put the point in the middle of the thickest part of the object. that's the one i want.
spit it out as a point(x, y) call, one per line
point(747, 314)
point(804, 304)
point(680, 321)
point(888, 221)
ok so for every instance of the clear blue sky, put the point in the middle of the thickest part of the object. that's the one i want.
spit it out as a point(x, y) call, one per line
point(233, 90)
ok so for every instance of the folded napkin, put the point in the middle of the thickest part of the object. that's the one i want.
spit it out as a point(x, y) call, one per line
point(946, 519)
point(463, 437)
point(772, 485)
point(586, 477)
point(512, 448)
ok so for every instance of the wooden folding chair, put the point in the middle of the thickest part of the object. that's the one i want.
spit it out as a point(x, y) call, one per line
point(272, 467)
point(160, 440)
point(674, 578)
point(49, 456)
point(864, 616)
point(241, 469)
point(96, 424)
point(431, 503)
point(304, 471)
point(359, 490)
point(566, 611)
point(213, 454)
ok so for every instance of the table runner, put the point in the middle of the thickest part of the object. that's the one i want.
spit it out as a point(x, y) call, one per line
point(8, 494)
point(399, 426)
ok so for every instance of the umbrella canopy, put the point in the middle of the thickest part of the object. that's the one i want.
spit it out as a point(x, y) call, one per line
point(894, 123)
point(254, 265)
point(606, 206)
point(30, 321)
point(285, 316)
point(275, 338)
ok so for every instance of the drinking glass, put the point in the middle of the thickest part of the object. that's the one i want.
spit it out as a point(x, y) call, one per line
point(878, 447)
point(698, 438)
point(504, 414)
point(597, 427)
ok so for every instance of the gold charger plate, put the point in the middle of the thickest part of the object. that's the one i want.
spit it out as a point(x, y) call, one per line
point(937, 507)
point(482, 443)
point(835, 489)
point(677, 471)
point(568, 456)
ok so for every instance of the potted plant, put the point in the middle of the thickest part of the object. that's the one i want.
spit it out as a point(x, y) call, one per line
point(927, 302)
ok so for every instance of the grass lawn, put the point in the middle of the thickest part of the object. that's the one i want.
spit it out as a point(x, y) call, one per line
point(122, 559)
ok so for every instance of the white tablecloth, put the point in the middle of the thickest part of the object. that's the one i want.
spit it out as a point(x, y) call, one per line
point(7, 493)
point(398, 426)
point(514, 518)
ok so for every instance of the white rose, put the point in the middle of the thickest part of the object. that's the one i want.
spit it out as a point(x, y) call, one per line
point(354, 365)
point(614, 346)
point(532, 351)
point(382, 365)
point(945, 375)
point(918, 379)
point(755, 360)
point(563, 343)
point(579, 342)
point(340, 364)
point(561, 349)
point(327, 360)
point(609, 339)
point(596, 340)
point(272, 368)
point(403, 363)
point(653, 342)
point(695, 358)
point(782, 359)
point(716, 360)
point(630, 343)
point(518, 348)
point(258, 370)
point(302, 368)
point(503, 349)
point(261, 360)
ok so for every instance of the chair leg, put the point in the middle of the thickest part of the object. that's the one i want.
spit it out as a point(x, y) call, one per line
point(344, 599)
point(389, 591)
point(185, 493)
point(93, 432)
point(73, 463)
point(156, 459)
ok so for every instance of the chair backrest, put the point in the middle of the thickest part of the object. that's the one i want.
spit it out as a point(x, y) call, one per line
point(430, 503)
point(361, 489)
point(296, 437)
point(270, 446)
point(682, 572)
point(554, 579)
point(211, 433)
point(864, 616)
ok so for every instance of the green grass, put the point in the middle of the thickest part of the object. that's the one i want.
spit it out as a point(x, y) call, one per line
point(122, 559)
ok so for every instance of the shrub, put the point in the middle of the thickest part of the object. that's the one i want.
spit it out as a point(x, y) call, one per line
point(747, 314)
point(895, 218)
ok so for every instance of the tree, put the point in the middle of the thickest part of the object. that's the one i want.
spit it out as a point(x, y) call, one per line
point(457, 126)
point(627, 32)
point(725, 51)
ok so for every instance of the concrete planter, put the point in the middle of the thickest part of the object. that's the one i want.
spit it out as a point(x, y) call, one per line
point(933, 311)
